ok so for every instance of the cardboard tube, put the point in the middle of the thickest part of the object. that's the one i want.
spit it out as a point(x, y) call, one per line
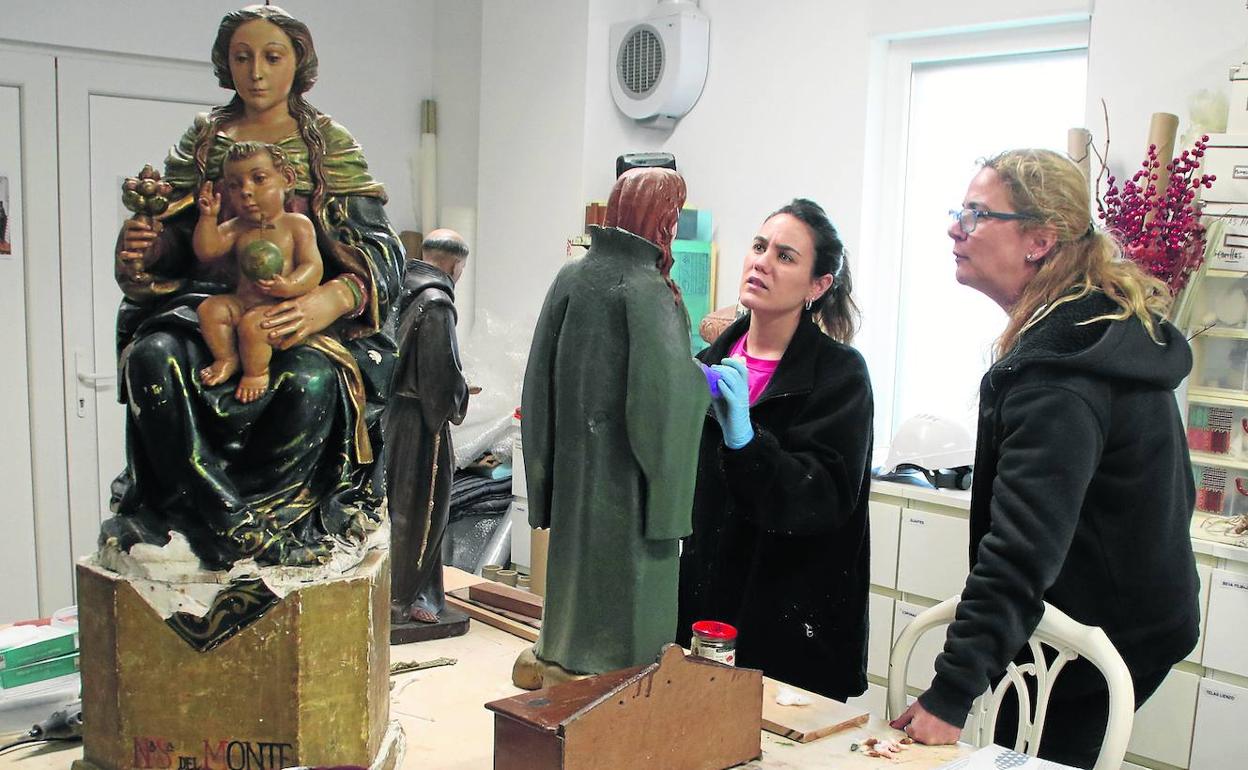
point(1078, 149)
point(428, 182)
point(1161, 131)
point(428, 165)
point(539, 544)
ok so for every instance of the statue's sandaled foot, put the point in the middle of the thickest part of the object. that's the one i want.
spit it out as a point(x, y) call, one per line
point(422, 615)
point(532, 673)
point(402, 613)
point(252, 387)
point(218, 371)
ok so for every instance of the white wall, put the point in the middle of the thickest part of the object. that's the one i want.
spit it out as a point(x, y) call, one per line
point(531, 158)
point(1149, 56)
point(786, 111)
point(376, 61)
point(783, 114)
point(457, 88)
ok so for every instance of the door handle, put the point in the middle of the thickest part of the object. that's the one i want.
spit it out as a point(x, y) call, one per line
point(96, 379)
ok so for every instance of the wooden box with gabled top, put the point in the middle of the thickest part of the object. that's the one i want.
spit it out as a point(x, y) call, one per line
point(679, 713)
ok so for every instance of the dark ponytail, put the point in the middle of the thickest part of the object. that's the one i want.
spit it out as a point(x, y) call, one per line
point(834, 311)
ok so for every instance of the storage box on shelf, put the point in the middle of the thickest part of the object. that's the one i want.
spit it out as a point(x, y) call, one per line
point(919, 540)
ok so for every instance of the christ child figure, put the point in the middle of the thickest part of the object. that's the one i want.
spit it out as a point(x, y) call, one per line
point(277, 259)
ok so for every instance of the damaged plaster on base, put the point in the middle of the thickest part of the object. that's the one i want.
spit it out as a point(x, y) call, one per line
point(170, 578)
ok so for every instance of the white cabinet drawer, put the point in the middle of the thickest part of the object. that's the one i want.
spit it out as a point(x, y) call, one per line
point(1163, 725)
point(923, 658)
point(885, 526)
point(880, 639)
point(1220, 740)
point(1204, 572)
point(1224, 648)
point(933, 554)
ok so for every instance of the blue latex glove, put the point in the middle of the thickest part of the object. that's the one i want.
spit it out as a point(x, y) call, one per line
point(732, 406)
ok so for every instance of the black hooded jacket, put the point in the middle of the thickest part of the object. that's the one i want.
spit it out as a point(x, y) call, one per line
point(780, 544)
point(1082, 497)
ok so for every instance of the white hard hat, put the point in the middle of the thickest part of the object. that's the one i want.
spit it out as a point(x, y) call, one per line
point(930, 443)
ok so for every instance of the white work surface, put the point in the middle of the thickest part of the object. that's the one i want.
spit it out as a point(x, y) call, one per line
point(442, 710)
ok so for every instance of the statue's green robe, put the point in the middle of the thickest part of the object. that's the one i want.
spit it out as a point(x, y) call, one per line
point(612, 412)
point(277, 477)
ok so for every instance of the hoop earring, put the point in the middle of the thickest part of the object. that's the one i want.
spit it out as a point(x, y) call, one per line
point(809, 302)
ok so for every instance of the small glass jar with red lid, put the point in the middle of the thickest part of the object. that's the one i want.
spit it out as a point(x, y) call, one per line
point(714, 640)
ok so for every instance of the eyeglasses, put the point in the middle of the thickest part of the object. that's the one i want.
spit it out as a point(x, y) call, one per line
point(967, 219)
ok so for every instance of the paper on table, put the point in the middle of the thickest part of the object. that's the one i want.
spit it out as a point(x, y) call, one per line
point(1001, 758)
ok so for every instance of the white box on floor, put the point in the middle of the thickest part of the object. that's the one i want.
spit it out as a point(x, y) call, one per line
point(521, 534)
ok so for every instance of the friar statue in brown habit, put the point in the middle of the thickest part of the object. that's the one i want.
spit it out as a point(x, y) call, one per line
point(428, 394)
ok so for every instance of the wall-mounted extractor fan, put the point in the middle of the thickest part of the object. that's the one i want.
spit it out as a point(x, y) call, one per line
point(658, 64)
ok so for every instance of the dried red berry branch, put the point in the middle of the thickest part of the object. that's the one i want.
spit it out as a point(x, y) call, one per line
point(1160, 229)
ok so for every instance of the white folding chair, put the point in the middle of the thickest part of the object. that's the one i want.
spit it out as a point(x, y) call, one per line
point(1056, 630)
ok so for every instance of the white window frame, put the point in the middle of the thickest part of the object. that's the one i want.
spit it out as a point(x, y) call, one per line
point(884, 184)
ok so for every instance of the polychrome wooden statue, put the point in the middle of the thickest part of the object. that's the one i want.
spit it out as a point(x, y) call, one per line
point(428, 395)
point(612, 411)
point(276, 477)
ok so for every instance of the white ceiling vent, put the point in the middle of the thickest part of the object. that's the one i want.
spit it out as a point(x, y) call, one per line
point(658, 64)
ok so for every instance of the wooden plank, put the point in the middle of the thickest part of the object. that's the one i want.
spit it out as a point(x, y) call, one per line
point(493, 619)
point(506, 597)
point(822, 716)
point(463, 595)
point(454, 578)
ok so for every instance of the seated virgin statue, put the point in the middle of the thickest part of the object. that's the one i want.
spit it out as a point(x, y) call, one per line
point(282, 477)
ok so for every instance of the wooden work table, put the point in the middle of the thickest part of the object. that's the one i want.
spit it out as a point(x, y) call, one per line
point(448, 728)
point(443, 713)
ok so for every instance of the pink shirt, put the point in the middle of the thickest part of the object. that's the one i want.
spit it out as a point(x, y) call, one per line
point(760, 369)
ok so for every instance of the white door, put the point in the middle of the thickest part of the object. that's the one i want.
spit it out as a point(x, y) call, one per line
point(34, 550)
point(114, 117)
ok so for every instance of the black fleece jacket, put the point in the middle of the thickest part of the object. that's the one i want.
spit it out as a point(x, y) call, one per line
point(1082, 497)
point(779, 546)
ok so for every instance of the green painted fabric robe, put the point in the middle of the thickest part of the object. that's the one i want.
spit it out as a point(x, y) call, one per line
point(280, 477)
point(612, 412)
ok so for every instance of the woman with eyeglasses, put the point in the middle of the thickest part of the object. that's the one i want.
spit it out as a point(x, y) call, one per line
point(779, 546)
point(1083, 489)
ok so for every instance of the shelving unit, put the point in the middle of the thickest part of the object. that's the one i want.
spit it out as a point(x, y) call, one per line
point(1217, 404)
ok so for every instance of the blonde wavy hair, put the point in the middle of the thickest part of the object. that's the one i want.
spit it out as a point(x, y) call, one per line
point(1050, 188)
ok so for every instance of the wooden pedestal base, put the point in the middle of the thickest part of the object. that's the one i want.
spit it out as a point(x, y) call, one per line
point(305, 682)
point(451, 622)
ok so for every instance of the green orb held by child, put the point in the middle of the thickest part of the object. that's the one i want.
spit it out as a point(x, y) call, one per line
point(261, 260)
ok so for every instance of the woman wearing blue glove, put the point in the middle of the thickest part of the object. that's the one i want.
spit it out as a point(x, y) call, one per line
point(779, 546)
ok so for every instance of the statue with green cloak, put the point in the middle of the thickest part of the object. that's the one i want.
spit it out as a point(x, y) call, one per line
point(279, 479)
point(612, 412)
